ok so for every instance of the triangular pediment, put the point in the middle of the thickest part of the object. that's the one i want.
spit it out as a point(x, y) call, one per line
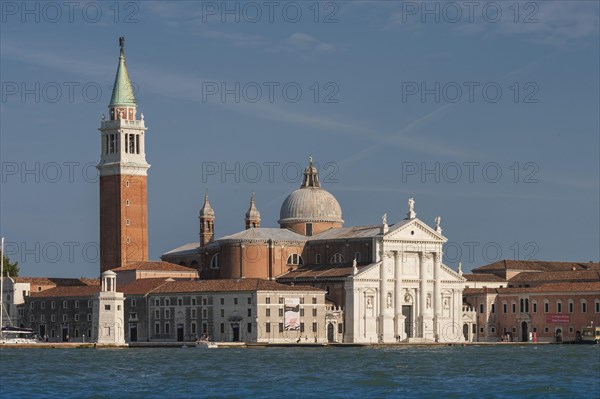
point(370, 272)
point(413, 230)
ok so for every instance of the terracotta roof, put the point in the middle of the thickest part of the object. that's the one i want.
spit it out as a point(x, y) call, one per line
point(155, 266)
point(483, 277)
point(548, 287)
point(67, 291)
point(142, 286)
point(320, 271)
point(246, 284)
point(64, 282)
point(580, 275)
point(539, 265)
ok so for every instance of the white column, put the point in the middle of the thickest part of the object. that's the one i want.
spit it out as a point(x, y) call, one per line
point(422, 285)
point(437, 296)
point(398, 320)
point(383, 277)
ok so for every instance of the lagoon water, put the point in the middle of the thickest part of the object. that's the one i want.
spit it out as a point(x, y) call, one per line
point(530, 371)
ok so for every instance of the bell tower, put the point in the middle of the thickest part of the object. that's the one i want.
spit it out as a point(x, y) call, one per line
point(207, 223)
point(252, 216)
point(123, 171)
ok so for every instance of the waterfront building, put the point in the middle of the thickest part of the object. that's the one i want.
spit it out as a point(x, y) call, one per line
point(516, 299)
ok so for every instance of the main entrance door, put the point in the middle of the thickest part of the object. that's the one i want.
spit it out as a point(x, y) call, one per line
point(42, 331)
point(133, 332)
point(236, 332)
point(466, 331)
point(65, 333)
point(524, 332)
point(330, 331)
point(180, 332)
point(408, 323)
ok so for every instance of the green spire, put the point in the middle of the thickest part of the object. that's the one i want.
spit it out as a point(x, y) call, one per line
point(122, 94)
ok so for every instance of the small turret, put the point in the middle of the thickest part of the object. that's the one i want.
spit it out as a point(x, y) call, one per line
point(253, 215)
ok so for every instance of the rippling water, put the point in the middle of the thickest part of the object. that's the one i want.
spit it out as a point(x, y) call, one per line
point(548, 371)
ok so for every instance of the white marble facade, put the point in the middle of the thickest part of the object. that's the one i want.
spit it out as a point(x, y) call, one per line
point(408, 294)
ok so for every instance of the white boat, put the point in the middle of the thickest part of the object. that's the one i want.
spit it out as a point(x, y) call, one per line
point(203, 343)
point(15, 335)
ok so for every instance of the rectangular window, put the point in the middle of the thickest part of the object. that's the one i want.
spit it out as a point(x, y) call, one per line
point(268, 312)
point(204, 313)
point(534, 306)
point(193, 301)
point(157, 314)
point(222, 312)
point(222, 328)
point(133, 303)
point(302, 312)
point(193, 328)
point(205, 301)
point(514, 307)
point(280, 299)
point(558, 307)
point(222, 301)
point(314, 301)
point(193, 313)
point(167, 328)
point(249, 327)
point(32, 305)
point(318, 259)
point(546, 329)
point(314, 312)
point(309, 229)
point(89, 318)
point(340, 328)
point(280, 327)
point(106, 307)
point(267, 300)
point(493, 308)
point(250, 301)
point(64, 318)
point(481, 308)
point(89, 303)
point(302, 300)
point(42, 304)
point(235, 302)
point(52, 305)
point(314, 327)
point(597, 307)
point(76, 317)
point(157, 302)
point(52, 318)
point(503, 308)
point(204, 328)
point(167, 313)
point(583, 307)
point(301, 327)
point(570, 307)
point(268, 327)
point(280, 312)
point(42, 318)
point(179, 301)
point(167, 302)
point(76, 304)
point(76, 333)
point(546, 307)
point(157, 328)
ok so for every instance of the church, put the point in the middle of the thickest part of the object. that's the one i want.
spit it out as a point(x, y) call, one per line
point(389, 280)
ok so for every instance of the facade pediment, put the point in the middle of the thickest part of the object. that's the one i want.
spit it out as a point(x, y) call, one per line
point(413, 230)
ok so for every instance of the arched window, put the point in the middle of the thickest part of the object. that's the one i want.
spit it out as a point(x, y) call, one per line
point(214, 262)
point(558, 306)
point(337, 258)
point(583, 306)
point(295, 259)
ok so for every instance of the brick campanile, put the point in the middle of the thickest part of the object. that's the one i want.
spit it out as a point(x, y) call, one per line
point(123, 171)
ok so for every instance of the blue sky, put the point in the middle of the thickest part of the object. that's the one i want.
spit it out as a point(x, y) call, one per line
point(388, 92)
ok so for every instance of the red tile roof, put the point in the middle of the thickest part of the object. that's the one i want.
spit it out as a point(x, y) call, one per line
point(67, 292)
point(155, 266)
point(580, 275)
point(246, 284)
point(538, 265)
point(485, 277)
point(320, 271)
point(56, 281)
point(575, 287)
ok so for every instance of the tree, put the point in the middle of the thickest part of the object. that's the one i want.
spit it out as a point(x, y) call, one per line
point(10, 269)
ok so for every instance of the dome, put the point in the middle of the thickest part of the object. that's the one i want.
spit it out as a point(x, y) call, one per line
point(310, 204)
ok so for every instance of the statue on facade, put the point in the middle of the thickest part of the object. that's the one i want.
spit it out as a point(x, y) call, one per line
point(428, 301)
point(411, 208)
point(384, 219)
point(354, 267)
point(389, 300)
point(460, 268)
point(438, 220)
